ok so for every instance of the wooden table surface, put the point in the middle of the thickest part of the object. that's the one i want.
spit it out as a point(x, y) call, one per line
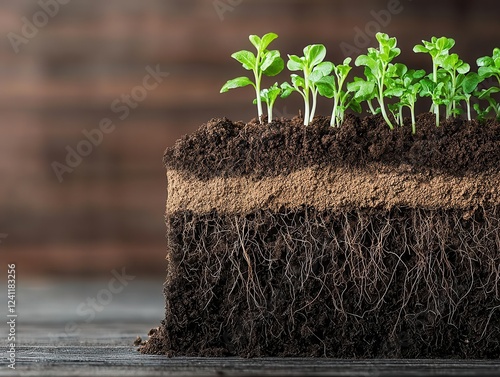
point(48, 345)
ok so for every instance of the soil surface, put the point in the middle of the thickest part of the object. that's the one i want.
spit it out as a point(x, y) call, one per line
point(224, 148)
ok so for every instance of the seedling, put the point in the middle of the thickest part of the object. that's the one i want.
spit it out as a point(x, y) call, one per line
point(364, 91)
point(493, 105)
point(268, 63)
point(489, 67)
point(468, 85)
point(378, 70)
point(407, 88)
point(457, 69)
point(269, 96)
point(314, 68)
point(438, 49)
point(331, 87)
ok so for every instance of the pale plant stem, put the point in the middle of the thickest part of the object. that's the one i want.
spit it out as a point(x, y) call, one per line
point(314, 102)
point(381, 102)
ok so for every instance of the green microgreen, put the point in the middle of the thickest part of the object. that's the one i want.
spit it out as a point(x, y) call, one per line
point(269, 96)
point(331, 86)
point(265, 62)
point(406, 86)
point(313, 67)
point(379, 69)
point(493, 105)
point(438, 49)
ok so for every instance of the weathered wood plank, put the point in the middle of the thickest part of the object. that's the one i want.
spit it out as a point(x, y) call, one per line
point(98, 360)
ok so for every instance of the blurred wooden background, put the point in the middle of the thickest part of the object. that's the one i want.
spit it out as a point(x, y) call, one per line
point(108, 213)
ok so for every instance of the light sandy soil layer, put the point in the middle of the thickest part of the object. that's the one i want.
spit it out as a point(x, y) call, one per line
point(374, 186)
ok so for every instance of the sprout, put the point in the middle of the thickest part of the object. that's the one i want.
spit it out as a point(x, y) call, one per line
point(489, 66)
point(378, 71)
point(266, 62)
point(269, 96)
point(406, 87)
point(331, 87)
point(438, 49)
point(313, 68)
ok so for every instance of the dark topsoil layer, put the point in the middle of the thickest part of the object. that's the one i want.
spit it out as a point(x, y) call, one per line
point(404, 283)
point(224, 148)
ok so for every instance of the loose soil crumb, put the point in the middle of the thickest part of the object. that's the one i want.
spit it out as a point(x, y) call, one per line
point(138, 341)
point(223, 148)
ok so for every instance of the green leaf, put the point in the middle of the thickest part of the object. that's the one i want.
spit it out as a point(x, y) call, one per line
point(297, 81)
point(355, 106)
point(238, 82)
point(487, 71)
point(273, 92)
point(397, 70)
point(371, 75)
point(321, 70)
point(270, 95)
point(267, 39)
point(445, 44)
point(272, 63)
point(256, 41)
point(420, 48)
point(275, 67)
point(471, 81)
point(246, 58)
point(343, 70)
point(382, 38)
point(287, 89)
point(418, 74)
point(486, 93)
point(463, 68)
point(325, 68)
point(366, 61)
point(451, 61)
point(427, 87)
point(485, 61)
point(363, 90)
point(326, 86)
point(347, 61)
point(394, 52)
point(295, 63)
point(314, 54)
point(394, 92)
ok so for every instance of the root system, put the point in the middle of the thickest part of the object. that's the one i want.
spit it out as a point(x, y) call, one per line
point(400, 283)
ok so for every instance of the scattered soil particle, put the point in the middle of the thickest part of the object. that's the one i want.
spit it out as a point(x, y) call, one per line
point(138, 341)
